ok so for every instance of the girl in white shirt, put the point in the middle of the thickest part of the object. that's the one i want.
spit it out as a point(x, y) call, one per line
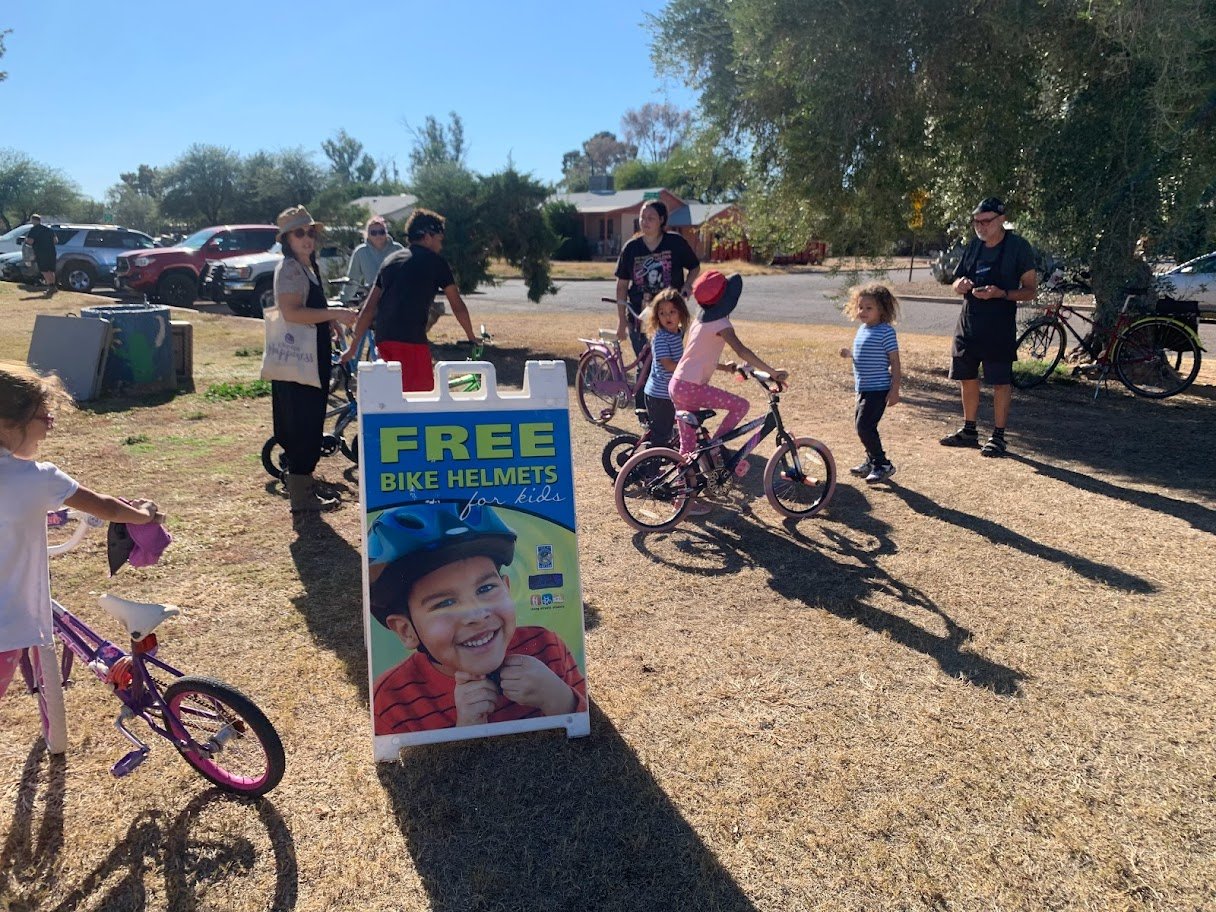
point(31, 489)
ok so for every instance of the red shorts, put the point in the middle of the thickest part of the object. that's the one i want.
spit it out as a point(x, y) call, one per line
point(417, 374)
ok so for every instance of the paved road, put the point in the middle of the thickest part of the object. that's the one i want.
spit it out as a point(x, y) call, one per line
point(799, 298)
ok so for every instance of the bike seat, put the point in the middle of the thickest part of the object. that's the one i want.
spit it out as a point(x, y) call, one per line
point(140, 618)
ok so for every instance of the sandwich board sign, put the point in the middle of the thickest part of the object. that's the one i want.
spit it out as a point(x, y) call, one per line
point(473, 610)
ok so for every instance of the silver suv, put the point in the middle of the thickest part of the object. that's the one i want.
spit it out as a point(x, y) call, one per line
point(87, 255)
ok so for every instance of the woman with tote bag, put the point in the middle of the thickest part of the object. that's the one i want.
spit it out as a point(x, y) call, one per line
point(300, 319)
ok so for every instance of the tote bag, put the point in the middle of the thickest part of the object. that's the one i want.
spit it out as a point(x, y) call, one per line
point(290, 352)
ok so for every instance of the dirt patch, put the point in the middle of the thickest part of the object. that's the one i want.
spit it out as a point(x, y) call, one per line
point(984, 685)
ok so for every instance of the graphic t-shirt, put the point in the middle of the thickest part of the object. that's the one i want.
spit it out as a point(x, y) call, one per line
point(30, 490)
point(664, 345)
point(416, 696)
point(872, 347)
point(408, 281)
point(650, 271)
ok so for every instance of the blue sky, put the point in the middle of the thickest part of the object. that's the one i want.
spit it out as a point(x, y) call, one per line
point(97, 89)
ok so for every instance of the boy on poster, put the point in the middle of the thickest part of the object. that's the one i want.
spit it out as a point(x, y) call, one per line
point(438, 583)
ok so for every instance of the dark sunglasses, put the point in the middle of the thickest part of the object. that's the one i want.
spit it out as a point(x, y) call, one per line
point(377, 232)
point(304, 232)
point(980, 221)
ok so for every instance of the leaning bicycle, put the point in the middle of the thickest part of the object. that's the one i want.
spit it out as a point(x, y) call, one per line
point(1154, 356)
point(215, 728)
point(603, 381)
point(657, 486)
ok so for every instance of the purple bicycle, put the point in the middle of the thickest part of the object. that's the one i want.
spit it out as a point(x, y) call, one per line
point(217, 729)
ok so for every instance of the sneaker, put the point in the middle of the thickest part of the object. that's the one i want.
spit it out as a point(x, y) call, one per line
point(961, 438)
point(995, 447)
point(696, 508)
point(880, 473)
point(862, 470)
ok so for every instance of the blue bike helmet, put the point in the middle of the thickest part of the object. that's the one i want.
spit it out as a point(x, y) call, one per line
point(407, 543)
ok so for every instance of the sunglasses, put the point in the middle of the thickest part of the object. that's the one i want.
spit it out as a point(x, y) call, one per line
point(980, 221)
point(304, 232)
point(377, 232)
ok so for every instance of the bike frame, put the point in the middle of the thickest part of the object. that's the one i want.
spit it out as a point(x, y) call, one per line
point(619, 385)
point(763, 425)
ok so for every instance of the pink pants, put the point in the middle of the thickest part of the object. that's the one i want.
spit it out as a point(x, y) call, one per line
point(689, 397)
point(8, 667)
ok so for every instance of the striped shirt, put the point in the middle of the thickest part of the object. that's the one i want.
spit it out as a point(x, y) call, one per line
point(872, 347)
point(664, 345)
point(416, 696)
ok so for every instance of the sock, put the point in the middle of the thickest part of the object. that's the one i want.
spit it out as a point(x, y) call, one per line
point(969, 427)
point(998, 433)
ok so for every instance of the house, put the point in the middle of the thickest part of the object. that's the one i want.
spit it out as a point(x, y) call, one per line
point(715, 231)
point(393, 208)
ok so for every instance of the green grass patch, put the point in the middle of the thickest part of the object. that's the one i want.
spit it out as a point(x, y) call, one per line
point(248, 352)
point(240, 389)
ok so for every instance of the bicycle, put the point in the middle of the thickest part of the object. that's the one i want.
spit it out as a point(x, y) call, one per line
point(1154, 356)
point(218, 730)
point(603, 375)
point(656, 487)
point(471, 382)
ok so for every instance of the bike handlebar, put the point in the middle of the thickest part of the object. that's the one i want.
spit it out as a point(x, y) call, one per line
point(59, 518)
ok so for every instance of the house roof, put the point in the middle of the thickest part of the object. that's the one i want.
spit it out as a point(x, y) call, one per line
point(386, 205)
point(612, 200)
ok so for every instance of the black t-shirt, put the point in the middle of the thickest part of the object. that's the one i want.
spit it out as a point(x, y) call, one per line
point(988, 329)
point(650, 271)
point(408, 281)
point(42, 239)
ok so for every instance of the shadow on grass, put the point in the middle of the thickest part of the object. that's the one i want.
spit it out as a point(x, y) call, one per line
point(508, 362)
point(331, 571)
point(111, 403)
point(542, 824)
point(842, 582)
point(192, 867)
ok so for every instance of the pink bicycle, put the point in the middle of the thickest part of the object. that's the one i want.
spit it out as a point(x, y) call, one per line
point(603, 381)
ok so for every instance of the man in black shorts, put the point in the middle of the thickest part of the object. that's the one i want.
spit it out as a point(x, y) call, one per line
point(995, 273)
point(399, 304)
point(42, 239)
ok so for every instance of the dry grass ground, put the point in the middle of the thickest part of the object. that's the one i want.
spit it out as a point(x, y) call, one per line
point(985, 686)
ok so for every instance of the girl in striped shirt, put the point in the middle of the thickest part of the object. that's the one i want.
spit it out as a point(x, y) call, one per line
point(666, 320)
point(876, 373)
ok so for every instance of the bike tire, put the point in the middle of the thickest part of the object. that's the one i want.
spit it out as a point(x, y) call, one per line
point(346, 429)
point(1039, 349)
point(654, 490)
point(250, 760)
point(593, 371)
point(274, 459)
point(617, 452)
point(1156, 357)
point(800, 478)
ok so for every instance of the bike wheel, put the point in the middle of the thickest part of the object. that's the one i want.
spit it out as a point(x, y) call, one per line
point(800, 477)
point(654, 490)
point(594, 373)
point(617, 452)
point(1039, 349)
point(346, 429)
point(1156, 357)
point(342, 382)
point(274, 459)
point(237, 747)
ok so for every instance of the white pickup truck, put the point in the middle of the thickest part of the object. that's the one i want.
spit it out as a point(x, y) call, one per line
point(246, 283)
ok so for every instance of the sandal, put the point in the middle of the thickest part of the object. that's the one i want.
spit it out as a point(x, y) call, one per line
point(995, 446)
point(960, 438)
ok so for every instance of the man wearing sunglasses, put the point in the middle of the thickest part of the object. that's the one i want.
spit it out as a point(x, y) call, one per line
point(399, 305)
point(995, 273)
point(365, 262)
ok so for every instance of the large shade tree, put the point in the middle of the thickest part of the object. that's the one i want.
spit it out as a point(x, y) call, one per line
point(1096, 119)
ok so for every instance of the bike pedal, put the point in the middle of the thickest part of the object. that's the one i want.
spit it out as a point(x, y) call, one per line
point(129, 763)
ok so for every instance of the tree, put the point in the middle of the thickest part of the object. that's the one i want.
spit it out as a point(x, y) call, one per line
point(435, 144)
point(27, 187)
point(134, 209)
point(636, 174)
point(348, 162)
point(567, 227)
point(269, 182)
point(656, 129)
point(576, 172)
point(604, 151)
point(1093, 118)
point(202, 185)
point(509, 208)
point(3, 73)
point(701, 170)
point(144, 180)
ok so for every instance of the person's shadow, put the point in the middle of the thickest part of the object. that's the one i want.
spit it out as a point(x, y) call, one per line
point(537, 822)
point(331, 571)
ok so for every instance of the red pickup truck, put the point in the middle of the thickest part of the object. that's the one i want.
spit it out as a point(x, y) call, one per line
point(171, 275)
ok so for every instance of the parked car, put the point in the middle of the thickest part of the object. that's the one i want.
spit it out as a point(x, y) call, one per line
point(11, 241)
point(1194, 280)
point(171, 274)
point(246, 283)
point(86, 255)
point(15, 268)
